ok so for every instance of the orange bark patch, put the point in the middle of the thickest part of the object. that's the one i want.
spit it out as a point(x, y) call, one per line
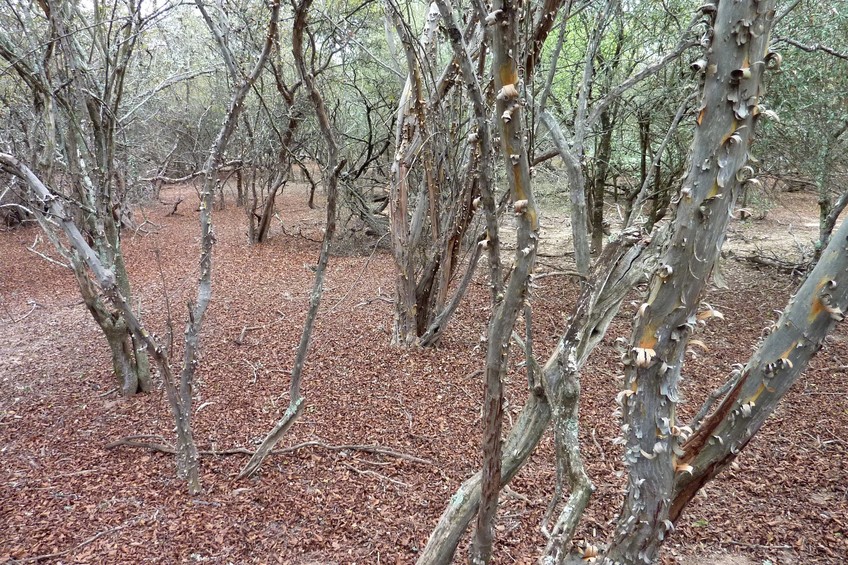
point(818, 306)
point(648, 341)
point(785, 354)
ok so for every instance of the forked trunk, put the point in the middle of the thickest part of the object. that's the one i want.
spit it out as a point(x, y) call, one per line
point(662, 328)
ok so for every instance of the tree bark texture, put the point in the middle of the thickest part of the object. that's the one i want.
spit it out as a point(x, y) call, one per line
point(768, 375)
point(80, 122)
point(408, 141)
point(505, 313)
point(736, 60)
point(106, 280)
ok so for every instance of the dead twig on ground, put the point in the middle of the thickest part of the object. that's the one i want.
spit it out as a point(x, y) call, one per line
point(299, 233)
point(379, 298)
point(130, 441)
point(141, 229)
point(358, 277)
point(254, 368)
point(175, 205)
point(33, 305)
point(757, 545)
point(240, 339)
point(540, 276)
point(772, 260)
point(374, 474)
point(507, 490)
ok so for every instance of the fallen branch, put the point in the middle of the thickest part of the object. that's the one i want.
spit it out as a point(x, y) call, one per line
point(32, 248)
point(33, 305)
point(771, 260)
point(141, 228)
point(240, 339)
point(374, 474)
point(541, 276)
point(358, 277)
point(757, 545)
point(130, 441)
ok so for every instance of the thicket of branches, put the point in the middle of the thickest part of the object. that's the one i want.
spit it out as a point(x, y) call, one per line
point(432, 127)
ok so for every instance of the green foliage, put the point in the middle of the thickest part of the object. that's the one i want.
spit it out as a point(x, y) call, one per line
point(809, 94)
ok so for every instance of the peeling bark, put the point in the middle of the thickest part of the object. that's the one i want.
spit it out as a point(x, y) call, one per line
point(769, 374)
point(662, 328)
point(505, 313)
point(622, 264)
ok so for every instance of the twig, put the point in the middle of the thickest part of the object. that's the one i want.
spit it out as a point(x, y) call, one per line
point(133, 438)
point(359, 276)
point(32, 249)
point(244, 330)
point(33, 305)
point(375, 474)
point(757, 545)
point(598, 445)
point(374, 449)
point(379, 298)
point(141, 229)
point(253, 367)
point(77, 473)
point(298, 234)
point(714, 397)
point(541, 276)
point(507, 490)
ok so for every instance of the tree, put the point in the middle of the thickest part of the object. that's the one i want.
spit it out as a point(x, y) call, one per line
point(438, 173)
point(668, 461)
point(334, 167)
point(74, 63)
point(95, 273)
point(431, 208)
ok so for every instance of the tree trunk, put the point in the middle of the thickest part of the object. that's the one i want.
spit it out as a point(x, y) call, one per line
point(662, 328)
point(622, 264)
point(768, 375)
point(505, 313)
point(599, 181)
point(335, 167)
point(129, 363)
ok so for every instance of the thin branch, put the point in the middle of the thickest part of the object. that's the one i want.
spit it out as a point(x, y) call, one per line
point(374, 474)
point(359, 276)
point(130, 441)
point(814, 47)
point(167, 83)
point(785, 13)
point(648, 71)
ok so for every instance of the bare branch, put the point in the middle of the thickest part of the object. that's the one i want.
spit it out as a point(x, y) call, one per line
point(815, 47)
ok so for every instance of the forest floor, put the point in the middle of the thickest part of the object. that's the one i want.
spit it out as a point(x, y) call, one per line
point(65, 497)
